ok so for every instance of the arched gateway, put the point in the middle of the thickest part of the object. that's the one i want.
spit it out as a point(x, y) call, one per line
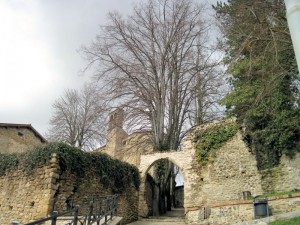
point(137, 149)
point(183, 159)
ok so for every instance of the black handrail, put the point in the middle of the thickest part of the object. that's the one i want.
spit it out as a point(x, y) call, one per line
point(55, 215)
point(99, 207)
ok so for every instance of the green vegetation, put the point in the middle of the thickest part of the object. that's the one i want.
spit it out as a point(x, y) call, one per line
point(212, 139)
point(277, 194)
point(8, 161)
point(293, 221)
point(113, 173)
point(264, 77)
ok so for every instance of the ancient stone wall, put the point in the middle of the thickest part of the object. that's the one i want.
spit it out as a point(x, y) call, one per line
point(232, 172)
point(76, 190)
point(25, 198)
point(17, 140)
point(127, 148)
point(230, 176)
point(284, 177)
point(134, 146)
point(228, 213)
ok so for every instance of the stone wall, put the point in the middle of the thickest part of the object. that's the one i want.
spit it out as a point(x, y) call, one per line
point(232, 172)
point(77, 190)
point(231, 175)
point(127, 148)
point(241, 211)
point(19, 140)
point(25, 198)
point(284, 177)
point(134, 146)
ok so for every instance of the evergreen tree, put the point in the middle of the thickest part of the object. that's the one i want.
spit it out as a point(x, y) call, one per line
point(264, 76)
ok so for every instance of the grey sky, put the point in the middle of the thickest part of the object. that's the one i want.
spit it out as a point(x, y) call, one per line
point(38, 57)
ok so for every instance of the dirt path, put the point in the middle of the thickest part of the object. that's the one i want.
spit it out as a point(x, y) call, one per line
point(174, 217)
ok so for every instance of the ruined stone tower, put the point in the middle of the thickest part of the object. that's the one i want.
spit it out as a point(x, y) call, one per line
point(116, 135)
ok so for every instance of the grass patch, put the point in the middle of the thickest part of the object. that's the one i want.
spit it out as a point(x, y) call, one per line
point(293, 221)
point(277, 194)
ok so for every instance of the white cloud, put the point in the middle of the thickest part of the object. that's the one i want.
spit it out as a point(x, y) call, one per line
point(24, 68)
point(38, 57)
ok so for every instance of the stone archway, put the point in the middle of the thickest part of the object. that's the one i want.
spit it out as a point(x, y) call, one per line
point(183, 159)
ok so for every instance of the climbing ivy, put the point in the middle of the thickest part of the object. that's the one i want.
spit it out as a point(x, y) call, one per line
point(70, 158)
point(213, 138)
point(113, 173)
point(8, 161)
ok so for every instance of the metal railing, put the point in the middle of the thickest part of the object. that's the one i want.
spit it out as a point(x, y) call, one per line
point(99, 211)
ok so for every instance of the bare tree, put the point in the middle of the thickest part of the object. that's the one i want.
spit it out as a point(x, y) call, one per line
point(79, 118)
point(156, 64)
point(159, 66)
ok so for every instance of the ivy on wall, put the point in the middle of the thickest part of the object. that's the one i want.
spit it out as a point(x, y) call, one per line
point(209, 140)
point(8, 161)
point(113, 173)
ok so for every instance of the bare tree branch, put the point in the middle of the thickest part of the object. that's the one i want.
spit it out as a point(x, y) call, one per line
point(79, 118)
point(158, 65)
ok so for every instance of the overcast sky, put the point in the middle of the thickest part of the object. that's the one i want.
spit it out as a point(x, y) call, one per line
point(38, 52)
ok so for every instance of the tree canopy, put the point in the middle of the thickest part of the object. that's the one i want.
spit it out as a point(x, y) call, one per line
point(79, 118)
point(264, 76)
point(157, 64)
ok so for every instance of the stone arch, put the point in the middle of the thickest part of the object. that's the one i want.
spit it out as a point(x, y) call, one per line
point(183, 159)
point(153, 158)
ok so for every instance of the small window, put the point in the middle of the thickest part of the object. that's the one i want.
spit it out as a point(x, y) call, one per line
point(20, 133)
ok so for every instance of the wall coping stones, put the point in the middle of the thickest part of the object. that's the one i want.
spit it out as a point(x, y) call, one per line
point(273, 198)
